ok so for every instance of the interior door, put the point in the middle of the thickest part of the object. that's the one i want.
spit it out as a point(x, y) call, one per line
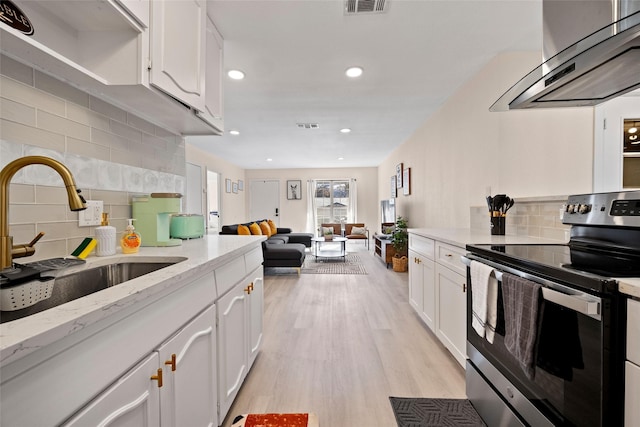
point(264, 200)
point(194, 190)
point(213, 200)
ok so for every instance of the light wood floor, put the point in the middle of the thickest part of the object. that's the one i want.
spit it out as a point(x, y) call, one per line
point(340, 345)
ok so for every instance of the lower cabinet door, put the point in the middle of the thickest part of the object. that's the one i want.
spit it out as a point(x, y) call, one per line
point(133, 401)
point(232, 345)
point(256, 304)
point(632, 395)
point(452, 311)
point(416, 286)
point(189, 394)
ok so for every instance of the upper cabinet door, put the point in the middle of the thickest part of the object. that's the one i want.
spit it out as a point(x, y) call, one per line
point(212, 113)
point(178, 56)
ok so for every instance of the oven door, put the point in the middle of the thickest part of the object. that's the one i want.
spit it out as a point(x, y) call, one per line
point(567, 386)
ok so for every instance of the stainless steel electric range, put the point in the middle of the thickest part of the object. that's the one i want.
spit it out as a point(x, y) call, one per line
point(576, 371)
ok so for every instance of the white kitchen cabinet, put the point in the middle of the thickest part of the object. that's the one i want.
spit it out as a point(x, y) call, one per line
point(90, 361)
point(133, 401)
point(178, 55)
point(256, 310)
point(632, 366)
point(452, 311)
point(138, 9)
point(422, 295)
point(213, 107)
point(437, 290)
point(189, 394)
point(174, 386)
point(239, 336)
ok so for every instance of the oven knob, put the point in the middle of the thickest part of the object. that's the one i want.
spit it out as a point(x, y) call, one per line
point(583, 209)
point(570, 209)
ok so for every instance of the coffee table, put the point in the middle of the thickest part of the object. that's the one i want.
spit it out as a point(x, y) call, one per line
point(320, 242)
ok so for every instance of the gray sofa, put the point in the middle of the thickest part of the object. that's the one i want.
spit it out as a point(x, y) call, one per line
point(283, 249)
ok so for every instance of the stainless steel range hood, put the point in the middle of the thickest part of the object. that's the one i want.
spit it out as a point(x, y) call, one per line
point(601, 66)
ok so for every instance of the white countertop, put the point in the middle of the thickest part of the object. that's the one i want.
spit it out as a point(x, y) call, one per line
point(464, 236)
point(22, 336)
point(629, 286)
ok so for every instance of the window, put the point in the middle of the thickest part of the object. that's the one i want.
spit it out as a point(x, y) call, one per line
point(332, 201)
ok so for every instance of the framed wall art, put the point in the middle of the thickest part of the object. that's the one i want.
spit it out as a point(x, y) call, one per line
point(227, 185)
point(240, 185)
point(394, 189)
point(235, 187)
point(294, 190)
point(406, 181)
point(399, 175)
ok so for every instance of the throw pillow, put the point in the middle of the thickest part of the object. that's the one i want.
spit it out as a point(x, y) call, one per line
point(255, 229)
point(274, 227)
point(359, 231)
point(243, 230)
point(264, 227)
point(327, 230)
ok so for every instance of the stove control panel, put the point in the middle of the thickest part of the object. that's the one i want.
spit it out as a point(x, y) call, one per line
point(611, 209)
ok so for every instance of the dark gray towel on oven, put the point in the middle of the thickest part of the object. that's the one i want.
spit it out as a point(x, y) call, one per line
point(521, 299)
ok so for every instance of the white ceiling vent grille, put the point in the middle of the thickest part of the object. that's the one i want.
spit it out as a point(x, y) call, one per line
point(365, 6)
point(308, 125)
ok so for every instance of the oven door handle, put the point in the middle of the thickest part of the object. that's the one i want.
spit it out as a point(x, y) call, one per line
point(551, 291)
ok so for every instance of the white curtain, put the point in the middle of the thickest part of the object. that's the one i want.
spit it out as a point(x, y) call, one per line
point(311, 207)
point(352, 211)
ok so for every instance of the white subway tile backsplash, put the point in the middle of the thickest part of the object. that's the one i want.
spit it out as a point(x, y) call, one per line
point(107, 109)
point(28, 95)
point(21, 134)
point(61, 125)
point(87, 117)
point(104, 146)
point(11, 68)
point(87, 149)
point(16, 112)
point(56, 87)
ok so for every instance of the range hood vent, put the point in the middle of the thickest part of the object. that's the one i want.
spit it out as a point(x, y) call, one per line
point(364, 6)
point(601, 66)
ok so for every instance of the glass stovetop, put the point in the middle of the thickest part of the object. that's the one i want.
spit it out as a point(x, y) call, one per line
point(591, 269)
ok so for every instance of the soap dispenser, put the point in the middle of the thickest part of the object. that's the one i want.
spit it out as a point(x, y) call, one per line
point(106, 237)
point(131, 240)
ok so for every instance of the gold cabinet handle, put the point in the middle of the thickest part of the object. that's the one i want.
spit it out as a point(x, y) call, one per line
point(448, 255)
point(251, 287)
point(158, 377)
point(248, 290)
point(464, 287)
point(172, 362)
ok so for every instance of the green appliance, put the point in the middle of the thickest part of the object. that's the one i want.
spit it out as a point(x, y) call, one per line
point(152, 215)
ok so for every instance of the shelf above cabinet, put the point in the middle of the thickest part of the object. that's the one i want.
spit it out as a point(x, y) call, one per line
point(101, 47)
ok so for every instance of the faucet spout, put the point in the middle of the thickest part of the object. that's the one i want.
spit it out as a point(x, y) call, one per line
point(76, 201)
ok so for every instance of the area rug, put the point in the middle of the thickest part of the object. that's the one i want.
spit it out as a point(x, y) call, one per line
point(426, 412)
point(351, 265)
point(276, 420)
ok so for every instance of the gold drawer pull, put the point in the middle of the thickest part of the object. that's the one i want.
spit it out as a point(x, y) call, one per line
point(158, 377)
point(248, 290)
point(172, 362)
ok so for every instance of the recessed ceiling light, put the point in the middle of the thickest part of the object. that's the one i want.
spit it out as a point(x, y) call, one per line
point(340, 158)
point(234, 132)
point(345, 130)
point(269, 160)
point(354, 72)
point(235, 74)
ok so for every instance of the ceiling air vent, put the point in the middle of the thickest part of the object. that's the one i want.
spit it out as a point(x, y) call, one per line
point(308, 125)
point(365, 6)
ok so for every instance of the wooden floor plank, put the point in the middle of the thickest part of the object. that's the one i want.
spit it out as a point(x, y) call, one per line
point(340, 345)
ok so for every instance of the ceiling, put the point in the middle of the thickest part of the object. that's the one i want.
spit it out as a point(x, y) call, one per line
point(415, 55)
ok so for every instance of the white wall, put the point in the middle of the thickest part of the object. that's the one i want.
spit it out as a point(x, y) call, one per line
point(232, 205)
point(463, 149)
point(293, 213)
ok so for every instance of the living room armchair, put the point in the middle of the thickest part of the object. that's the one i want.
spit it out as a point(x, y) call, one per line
point(357, 231)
